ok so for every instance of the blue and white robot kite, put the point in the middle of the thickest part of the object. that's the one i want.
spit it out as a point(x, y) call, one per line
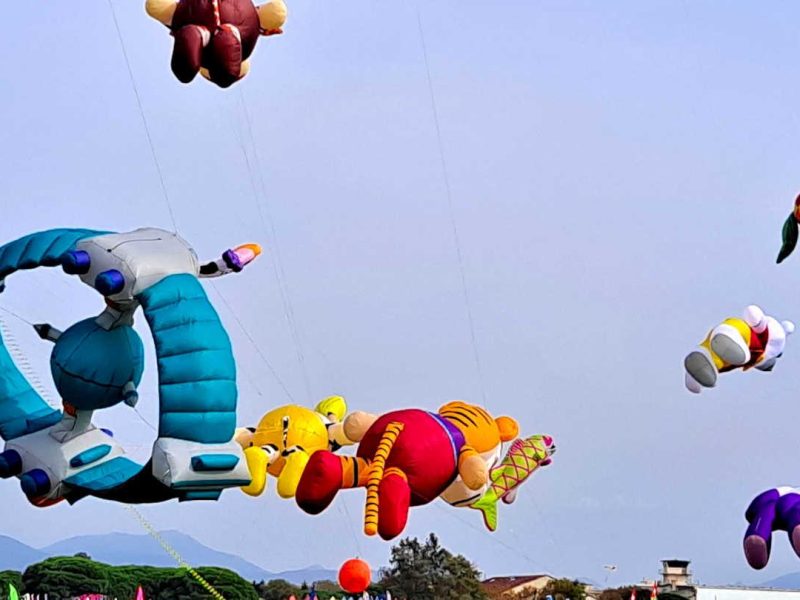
point(98, 362)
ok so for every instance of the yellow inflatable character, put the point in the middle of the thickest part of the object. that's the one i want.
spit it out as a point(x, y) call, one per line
point(755, 340)
point(284, 440)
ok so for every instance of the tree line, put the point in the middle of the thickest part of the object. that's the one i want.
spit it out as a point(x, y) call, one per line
point(418, 570)
point(63, 578)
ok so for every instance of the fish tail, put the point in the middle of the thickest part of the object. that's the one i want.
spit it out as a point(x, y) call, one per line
point(487, 504)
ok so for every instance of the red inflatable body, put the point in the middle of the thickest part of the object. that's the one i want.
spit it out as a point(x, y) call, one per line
point(406, 458)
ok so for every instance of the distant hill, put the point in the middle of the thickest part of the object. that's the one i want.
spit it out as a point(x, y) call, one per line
point(16, 556)
point(129, 549)
point(308, 575)
point(790, 581)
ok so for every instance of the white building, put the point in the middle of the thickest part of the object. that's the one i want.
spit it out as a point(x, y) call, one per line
point(676, 584)
point(732, 593)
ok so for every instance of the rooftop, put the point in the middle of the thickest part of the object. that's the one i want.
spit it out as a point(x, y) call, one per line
point(675, 562)
point(498, 585)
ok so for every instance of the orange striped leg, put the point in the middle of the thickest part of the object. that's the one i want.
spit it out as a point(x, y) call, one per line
point(355, 471)
point(376, 475)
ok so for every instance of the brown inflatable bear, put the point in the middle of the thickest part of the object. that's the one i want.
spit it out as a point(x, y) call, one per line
point(216, 37)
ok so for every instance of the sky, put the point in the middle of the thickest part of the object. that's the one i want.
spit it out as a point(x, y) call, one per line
point(619, 177)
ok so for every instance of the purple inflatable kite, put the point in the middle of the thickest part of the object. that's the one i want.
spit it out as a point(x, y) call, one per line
point(777, 509)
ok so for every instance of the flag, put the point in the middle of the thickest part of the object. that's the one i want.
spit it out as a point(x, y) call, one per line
point(633, 593)
point(12, 593)
point(140, 593)
point(654, 592)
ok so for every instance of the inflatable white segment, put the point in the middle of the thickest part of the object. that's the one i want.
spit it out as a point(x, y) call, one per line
point(143, 256)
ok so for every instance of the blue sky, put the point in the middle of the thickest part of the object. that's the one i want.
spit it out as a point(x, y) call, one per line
point(620, 174)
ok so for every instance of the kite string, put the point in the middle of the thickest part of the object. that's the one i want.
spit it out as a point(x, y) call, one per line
point(16, 315)
point(253, 342)
point(461, 266)
point(144, 118)
point(144, 420)
point(22, 362)
point(268, 224)
point(517, 552)
point(351, 528)
point(451, 211)
point(544, 524)
point(168, 202)
point(284, 300)
point(172, 552)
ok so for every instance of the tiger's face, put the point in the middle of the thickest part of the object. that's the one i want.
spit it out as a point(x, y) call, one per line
point(289, 429)
point(481, 431)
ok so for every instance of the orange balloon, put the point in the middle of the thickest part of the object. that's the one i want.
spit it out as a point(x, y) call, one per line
point(355, 576)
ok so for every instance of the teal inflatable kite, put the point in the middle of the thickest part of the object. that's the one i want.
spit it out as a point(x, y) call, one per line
point(98, 362)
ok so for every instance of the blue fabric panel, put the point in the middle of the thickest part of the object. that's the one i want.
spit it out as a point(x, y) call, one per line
point(41, 418)
point(182, 366)
point(179, 425)
point(196, 369)
point(214, 462)
point(22, 410)
point(41, 249)
point(105, 476)
point(198, 396)
point(89, 456)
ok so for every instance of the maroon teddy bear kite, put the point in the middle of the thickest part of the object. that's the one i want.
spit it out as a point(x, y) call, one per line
point(216, 37)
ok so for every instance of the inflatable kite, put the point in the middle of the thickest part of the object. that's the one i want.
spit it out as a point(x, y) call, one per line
point(777, 509)
point(755, 340)
point(284, 440)
point(408, 458)
point(216, 37)
point(98, 363)
point(523, 458)
point(790, 232)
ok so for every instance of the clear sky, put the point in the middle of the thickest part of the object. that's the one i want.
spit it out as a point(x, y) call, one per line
point(620, 174)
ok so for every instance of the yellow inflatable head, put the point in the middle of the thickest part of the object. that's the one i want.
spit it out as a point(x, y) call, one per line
point(284, 440)
point(287, 429)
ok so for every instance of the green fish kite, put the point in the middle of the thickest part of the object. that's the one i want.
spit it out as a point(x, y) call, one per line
point(790, 232)
point(519, 463)
point(12, 592)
